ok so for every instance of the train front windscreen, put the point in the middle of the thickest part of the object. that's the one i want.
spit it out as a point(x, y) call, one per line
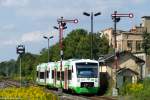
point(87, 70)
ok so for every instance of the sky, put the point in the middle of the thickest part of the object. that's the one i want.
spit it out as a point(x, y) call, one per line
point(27, 21)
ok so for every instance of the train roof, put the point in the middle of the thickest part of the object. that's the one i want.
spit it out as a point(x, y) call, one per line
point(78, 60)
point(65, 63)
point(42, 65)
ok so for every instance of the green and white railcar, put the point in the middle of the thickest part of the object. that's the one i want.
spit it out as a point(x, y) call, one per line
point(42, 73)
point(79, 75)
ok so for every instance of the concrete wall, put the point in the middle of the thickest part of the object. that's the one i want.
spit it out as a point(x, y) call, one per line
point(109, 35)
point(128, 63)
point(146, 23)
point(144, 67)
point(122, 41)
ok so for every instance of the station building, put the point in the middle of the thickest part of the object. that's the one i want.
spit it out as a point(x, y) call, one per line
point(131, 41)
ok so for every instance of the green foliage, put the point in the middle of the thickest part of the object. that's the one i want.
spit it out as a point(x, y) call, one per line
point(26, 93)
point(139, 91)
point(77, 44)
point(74, 44)
point(28, 64)
point(145, 93)
point(132, 89)
point(146, 42)
point(8, 68)
point(55, 52)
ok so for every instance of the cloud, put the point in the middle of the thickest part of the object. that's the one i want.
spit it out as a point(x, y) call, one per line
point(31, 37)
point(10, 3)
point(9, 42)
point(55, 8)
point(7, 28)
point(139, 1)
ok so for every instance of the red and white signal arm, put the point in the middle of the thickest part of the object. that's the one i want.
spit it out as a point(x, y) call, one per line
point(130, 15)
point(76, 21)
point(68, 21)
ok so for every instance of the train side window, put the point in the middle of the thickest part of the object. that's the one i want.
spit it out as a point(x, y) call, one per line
point(58, 75)
point(41, 75)
point(72, 69)
point(62, 75)
point(52, 74)
point(69, 74)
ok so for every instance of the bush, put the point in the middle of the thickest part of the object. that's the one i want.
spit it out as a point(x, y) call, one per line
point(28, 93)
point(145, 93)
point(134, 88)
point(137, 91)
point(130, 89)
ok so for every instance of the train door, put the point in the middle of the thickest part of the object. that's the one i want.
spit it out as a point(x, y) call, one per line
point(55, 76)
point(45, 76)
point(66, 78)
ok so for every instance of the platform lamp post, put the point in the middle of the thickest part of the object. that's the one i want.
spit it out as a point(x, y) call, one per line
point(20, 50)
point(116, 18)
point(91, 15)
point(48, 38)
point(61, 26)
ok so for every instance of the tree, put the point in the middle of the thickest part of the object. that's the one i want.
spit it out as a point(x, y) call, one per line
point(28, 64)
point(146, 43)
point(75, 45)
point(74, 42)
point(8, 68)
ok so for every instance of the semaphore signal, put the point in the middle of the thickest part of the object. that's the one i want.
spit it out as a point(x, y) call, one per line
point(130, 15)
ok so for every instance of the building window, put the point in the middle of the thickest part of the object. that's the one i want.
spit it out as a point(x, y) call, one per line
point(129, 45)
point(138, 45)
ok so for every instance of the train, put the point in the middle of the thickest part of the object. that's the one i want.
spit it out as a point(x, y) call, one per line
point(79, 75)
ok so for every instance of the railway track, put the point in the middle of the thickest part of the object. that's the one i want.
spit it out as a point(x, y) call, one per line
point(69, 96)
point(102, 98)
point(66, 96)
point(13, 83)
point(9, 83)
point(62, 95)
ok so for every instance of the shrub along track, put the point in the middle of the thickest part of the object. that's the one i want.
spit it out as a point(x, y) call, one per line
point(61, 95)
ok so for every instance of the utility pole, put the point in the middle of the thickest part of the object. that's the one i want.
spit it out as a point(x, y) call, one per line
point(91, 15)
point(20, 51)
point(48, 38)
point(62, 25)
point(116, 18)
